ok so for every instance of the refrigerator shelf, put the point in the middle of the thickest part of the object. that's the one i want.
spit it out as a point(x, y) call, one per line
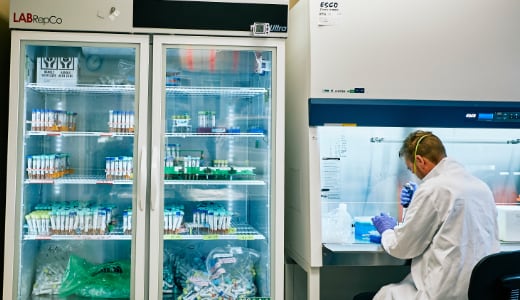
point(78, 134)
point(79, 179)
point(61, 237)
point(237, 232)
point(100, 179)
point(211, 91)
point(205, 135)
point(82, 88)
point(214, 182)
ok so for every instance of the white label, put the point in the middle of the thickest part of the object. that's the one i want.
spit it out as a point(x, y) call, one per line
point(57, 70)
point(328, 13)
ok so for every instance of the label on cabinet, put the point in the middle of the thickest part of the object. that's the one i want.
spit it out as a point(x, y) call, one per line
point(57, 70)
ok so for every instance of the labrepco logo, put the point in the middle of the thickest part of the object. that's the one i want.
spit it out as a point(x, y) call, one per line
point(32, 18)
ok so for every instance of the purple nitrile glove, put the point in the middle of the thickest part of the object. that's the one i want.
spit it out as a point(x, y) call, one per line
point(407, 193)
point(383, 222)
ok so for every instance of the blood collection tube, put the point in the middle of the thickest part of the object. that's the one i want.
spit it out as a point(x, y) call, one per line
point(37, 166)
point(110, 120)
point(29, 166)
point(129, 225)
point(88, 221)
point(120, 116)
point(76, 222)
point(129, 121)
point(125, 222)
point(81, 217)
point(33, 120)
point(38, 120)
point(102, 220)
point(95, 222)
point(165, 220)
point(52, 216)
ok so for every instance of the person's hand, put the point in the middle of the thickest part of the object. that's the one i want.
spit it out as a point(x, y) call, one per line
point(383, 222)
point(407, 193)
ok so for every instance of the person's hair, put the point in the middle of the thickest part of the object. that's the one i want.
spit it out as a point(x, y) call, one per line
point(423, 143)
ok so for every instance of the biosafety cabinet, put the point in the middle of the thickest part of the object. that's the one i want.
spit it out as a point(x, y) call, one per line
point(360, 77)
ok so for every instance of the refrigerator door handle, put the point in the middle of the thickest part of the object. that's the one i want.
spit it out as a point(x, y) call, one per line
point(142, 175)
point(155, 182)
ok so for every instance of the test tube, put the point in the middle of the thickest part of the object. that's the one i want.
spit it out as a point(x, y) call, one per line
point(38, 120)
point(110, 120)
point(88, 221)
point(130, 167)
point(47, 222)
point(131, 122)
point(61, 221)
point(53, 220)
point(76, 222)
point(213, 119)
point(29, 166)
point(107, 168)
point(196, 216)
point(177, 220)
point(30, 227)
point(46, 166)
point(228, 221)
point(112, 169)
point(171, 227)
point(52, 167)
point(39, 166)
point(74, 121)
point(102, 217)
point(95, 221)
point(44, 119)
point(125, 221)
point(72, 217)
point(165, 220)
point(129, 225)
point(81, 217)
point(124, 121)
point(120, 121)
point(211, 219)
point(202, 119)
point(109, 214)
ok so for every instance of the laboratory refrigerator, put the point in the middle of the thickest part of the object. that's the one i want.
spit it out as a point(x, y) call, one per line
point(144, 167)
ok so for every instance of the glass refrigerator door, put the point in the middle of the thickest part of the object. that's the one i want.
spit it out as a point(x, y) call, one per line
point(78, 171)
point(213, 220)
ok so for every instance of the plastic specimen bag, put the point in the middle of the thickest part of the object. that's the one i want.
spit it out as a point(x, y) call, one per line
point(107, 280)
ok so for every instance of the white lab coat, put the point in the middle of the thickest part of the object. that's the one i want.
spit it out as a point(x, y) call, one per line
point(449, 226)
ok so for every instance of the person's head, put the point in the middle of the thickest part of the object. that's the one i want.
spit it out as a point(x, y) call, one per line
point(422, 151)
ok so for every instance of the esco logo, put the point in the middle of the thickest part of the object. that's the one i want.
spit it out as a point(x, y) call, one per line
point(30, 18)
point(331, 4)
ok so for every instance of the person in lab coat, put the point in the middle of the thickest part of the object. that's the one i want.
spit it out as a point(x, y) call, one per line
point(450, 224)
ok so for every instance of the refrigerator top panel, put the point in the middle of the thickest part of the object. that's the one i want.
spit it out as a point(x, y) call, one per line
point(223, 18)
point(414, 113)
